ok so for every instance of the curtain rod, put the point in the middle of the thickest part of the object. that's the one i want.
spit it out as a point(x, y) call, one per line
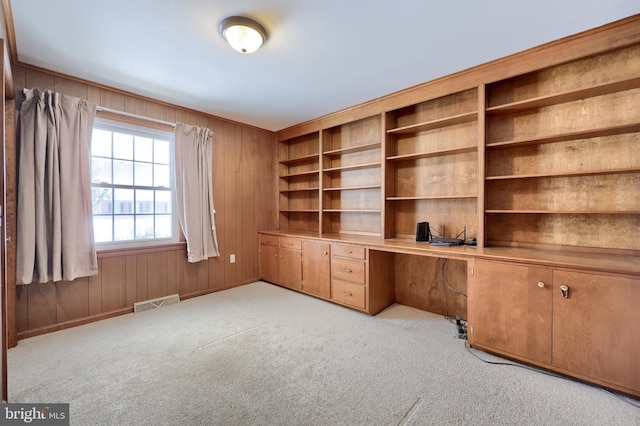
point(127, 114)
point(140, 117)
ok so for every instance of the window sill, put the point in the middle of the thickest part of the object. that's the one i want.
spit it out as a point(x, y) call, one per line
point(141, 250)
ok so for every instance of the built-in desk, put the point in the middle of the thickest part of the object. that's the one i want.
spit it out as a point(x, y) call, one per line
point(560, 310)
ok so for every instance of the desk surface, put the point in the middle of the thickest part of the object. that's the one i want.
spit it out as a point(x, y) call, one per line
point(552, 258)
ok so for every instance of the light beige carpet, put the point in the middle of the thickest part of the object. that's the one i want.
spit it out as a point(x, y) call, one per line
point(263, 355)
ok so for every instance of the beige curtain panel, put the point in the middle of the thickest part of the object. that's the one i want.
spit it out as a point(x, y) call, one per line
point(54, 219)
point(194, 191)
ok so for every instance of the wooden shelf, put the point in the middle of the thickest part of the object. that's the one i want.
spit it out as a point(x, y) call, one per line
point(439, 153)
point(569, 96)
point(567, 174)
point(353, 188)
point(350, 211)
point(289, 191)
point(353, 149)
point(432, 197)
point(304, 159)
point(584, 134)
point(355, 167)
point(300, 211)
point(596, 212)
point(435, 124)
point(309, 173)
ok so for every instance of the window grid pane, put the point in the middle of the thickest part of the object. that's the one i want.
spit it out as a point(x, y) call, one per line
point(132, 193)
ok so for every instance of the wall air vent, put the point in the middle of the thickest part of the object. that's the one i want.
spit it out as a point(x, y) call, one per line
point(155, 303)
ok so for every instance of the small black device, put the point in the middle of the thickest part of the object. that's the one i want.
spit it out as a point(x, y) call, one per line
point(423, 232)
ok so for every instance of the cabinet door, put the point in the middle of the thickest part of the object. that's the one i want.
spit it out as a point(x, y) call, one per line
point(290, 268)
point(595, 329)
point(269, 260)
point(509, 308)
point(316, 268)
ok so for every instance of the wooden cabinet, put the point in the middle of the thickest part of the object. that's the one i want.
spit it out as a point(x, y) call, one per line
point(595, 329)
point(509, 309)
point(431, 166)
point(316, 268)
point(577, 323)
point(348, 275)
point(281, 260)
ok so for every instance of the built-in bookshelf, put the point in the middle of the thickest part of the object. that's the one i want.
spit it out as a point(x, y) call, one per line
point(431, 166)
point(351, 178)
point(562, 163)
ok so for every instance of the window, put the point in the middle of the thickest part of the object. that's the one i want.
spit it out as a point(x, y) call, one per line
point(132, 189)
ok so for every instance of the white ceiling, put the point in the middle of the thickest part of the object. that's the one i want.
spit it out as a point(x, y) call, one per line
point(321, 55)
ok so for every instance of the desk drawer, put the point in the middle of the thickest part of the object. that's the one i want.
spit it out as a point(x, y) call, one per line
point(268, 240)
point(291, 243)
point(347, 269)
point(352, 252)
point(348, 293)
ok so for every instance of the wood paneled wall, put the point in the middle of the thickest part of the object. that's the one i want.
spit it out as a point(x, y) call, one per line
point(243, 170)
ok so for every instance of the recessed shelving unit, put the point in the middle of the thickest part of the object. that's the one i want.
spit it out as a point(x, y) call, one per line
point(431, 165)
point(351, 178)
point(562, 167)
point(299, 183)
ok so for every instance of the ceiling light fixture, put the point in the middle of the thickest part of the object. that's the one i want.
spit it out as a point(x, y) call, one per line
point(243, 34)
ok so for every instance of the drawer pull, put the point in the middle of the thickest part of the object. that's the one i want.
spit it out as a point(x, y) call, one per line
point(348, 251)
point(540, 284)
point(346, 293)
point(565, 291)
point(348, 271)
point(325, 253)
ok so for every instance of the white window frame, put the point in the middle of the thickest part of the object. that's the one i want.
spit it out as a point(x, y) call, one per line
point(153, 133)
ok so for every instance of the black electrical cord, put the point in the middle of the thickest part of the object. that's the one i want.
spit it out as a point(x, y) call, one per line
point(623, 398)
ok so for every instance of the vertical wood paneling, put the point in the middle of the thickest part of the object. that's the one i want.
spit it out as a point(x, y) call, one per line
point(243, 162)
point(157, 275)
point(187, 276)
point(22, 308)
point(232, 138)
point(40, 80)
point(72, 299)
point(141, 277)
point(113, 100)
point(202, 275)
point(113, 283)
point(135, 106)
point(95, 291)
point(172, 272)
point(157, 111)
point(71, 88)
point(42, 309)
point(217, 266)
point(19, 77)
point(94, 94)
point(131, 280)
point(245, 257)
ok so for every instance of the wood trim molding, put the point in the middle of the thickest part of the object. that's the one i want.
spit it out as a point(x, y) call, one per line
point(11, 31)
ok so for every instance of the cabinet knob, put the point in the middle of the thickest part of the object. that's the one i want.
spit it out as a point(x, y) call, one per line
point(325, 253)
point(348, 271)
point(276, 256)
point(565, 291)
point(346, 293)
point(540, 284)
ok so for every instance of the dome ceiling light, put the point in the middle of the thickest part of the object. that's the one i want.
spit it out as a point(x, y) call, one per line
point(243, 34)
